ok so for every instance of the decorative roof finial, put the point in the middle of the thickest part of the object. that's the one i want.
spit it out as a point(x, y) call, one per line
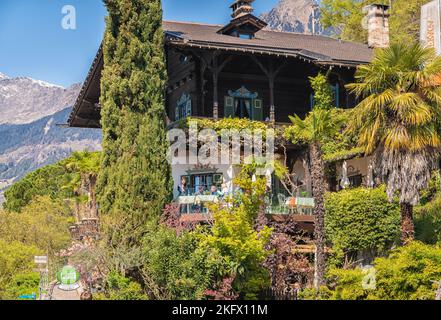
point(241, 8)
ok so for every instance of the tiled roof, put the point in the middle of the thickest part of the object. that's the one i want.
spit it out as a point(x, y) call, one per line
point(318, 49)
point(314, 47)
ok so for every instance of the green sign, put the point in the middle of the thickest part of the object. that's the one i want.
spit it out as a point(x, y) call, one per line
point(68, 275)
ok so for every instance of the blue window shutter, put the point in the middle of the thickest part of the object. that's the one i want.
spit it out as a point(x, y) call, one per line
point(336, 91)
point(228, 107)
point(257, 110)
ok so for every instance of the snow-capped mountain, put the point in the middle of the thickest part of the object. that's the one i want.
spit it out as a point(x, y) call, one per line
point(300, 16)
point(23, 100)
point(29, 136)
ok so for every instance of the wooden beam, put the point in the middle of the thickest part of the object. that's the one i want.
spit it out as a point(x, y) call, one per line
point(271, 74)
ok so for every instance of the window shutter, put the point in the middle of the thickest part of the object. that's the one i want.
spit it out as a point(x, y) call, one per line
point(229, 107)
point(257, 110)
point(177, 117)
point(188, 108)
point(217, 179)
point(336, 92)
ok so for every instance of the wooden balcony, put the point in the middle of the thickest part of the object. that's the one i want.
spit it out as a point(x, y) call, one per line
point(195, 210)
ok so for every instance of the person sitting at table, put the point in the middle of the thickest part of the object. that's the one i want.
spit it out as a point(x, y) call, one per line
point(182, 188)
point(199, 191)
point(214, 191)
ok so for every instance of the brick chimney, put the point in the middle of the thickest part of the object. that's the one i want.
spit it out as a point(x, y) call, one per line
point(377, 20)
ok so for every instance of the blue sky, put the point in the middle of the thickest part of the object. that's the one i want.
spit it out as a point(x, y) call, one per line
point(34, 44)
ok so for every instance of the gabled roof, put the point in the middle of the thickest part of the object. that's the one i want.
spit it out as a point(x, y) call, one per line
point(317, 48)
point(246, 21)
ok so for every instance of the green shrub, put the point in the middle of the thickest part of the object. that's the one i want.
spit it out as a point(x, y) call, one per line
point(15, 258)
point(409, 273)
point(119, 287)
point(174, 264)
point(428, 221)
point(22, 284)
point(349, 284)
point(313, 294)
point(361, 220)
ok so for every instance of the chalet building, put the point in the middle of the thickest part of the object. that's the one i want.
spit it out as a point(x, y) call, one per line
point(243, 70)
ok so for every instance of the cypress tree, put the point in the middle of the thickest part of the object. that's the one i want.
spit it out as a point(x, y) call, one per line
point(135, 179)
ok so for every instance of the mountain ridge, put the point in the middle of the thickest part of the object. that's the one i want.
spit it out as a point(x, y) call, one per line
point(24, 100)
point(29, 113)
point(298, 16)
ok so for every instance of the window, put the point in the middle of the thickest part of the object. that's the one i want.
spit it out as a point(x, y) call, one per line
point(242, 108)
point(183, 107)
point(243, 103)
point(201, 183)
point(245, 36)
point(356, 181)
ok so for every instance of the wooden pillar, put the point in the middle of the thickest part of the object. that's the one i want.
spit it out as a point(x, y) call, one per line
point(210, 61)
point(272, 106)
point(203, 67)
point(271, 74)
point(215, 70)
point(215, 95)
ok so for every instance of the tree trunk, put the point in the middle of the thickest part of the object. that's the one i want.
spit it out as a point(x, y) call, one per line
point(318, 189)
point(407, 226)
point(305, 162)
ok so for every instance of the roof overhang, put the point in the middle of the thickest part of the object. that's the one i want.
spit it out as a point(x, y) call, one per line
point(86, 112)
point(302, 54)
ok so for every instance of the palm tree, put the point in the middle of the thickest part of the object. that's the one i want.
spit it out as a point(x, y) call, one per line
point(398, 121)
point(319, 126)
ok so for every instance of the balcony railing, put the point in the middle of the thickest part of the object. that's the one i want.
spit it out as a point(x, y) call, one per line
point(291, 205)
point(198, 204)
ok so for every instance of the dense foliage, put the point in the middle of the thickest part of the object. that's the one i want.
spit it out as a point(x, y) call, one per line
point(43, 223)
point(135, 179)
point(323, 95)
point(233, 238)
point(409, 273)
point(224, 124)
point(57, 181)
point(428, 221)
point(320, 126)
point(176, 268)
point(361, 221)
point(22, 284)
point(16, 259)
point(118, 287)
point(37, 221)
point(398, 121)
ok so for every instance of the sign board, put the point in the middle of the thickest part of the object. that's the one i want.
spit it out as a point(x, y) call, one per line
point(68, 276)
point(40, 259)
point(430, 32)
point(28, 297)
